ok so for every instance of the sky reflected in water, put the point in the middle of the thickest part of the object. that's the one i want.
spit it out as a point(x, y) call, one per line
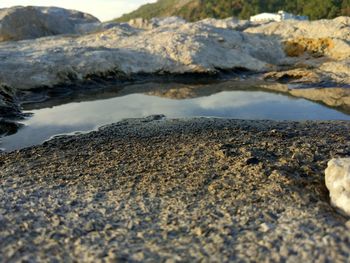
point(86, 116)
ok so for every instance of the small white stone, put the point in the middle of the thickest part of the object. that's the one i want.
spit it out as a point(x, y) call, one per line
point(264, 227)
point(338, 183)
point(347, 224)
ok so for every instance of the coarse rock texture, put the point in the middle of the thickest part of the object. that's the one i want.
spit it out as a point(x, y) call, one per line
point(338, 183)
point(178, 190)
point(339, 71)
point(18, 23)
point(316, 47)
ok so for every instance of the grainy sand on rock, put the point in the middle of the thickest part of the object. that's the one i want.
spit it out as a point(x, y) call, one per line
point(176, 190)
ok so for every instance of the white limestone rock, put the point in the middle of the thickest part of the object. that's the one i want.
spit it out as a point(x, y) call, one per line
point(155, 22)
point(169, 46)
point(177, 49)
point(88, 28)
point(338, 71)
point(338, 183)
point(140, 23)
point(166, 21)
point(327, 28)
point(230, 23)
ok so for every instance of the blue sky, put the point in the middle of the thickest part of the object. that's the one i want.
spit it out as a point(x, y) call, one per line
point(102, 9)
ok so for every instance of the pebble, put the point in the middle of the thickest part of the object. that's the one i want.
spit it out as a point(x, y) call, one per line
point(265, 227)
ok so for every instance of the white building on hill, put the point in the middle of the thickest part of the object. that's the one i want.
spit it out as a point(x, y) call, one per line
point(280, 16)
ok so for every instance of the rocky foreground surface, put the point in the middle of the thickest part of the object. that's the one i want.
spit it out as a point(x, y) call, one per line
point(176, 190)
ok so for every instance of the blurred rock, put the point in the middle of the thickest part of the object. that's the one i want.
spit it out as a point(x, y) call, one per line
point(18, 23)
point(122, 50)
point(230, 23)
point(332, 28)
point(8, 127)
point(142, 23)
point(338, 183)
point(9, 107)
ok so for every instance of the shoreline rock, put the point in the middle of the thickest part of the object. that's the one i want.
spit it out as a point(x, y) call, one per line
point(189, 48)
point(177, 47)
point(9, 105)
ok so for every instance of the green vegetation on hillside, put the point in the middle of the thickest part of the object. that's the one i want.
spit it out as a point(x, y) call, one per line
point(193, 10)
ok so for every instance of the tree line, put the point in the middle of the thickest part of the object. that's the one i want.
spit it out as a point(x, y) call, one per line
point(194, 10)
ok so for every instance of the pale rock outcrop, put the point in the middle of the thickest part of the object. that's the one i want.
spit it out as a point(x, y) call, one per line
point(340, 49)
point(166, 21)
point(320, 50)
point(155, 22)
point(338, 183)
point(335, 28)
point(339, 71)
point(230, 23)
point(140, 23)
point(188, 48)
point(18, 23)
point(89, 28)
point(322, 37)
point(172, 46)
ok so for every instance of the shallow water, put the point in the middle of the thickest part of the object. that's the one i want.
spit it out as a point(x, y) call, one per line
point(89, 115)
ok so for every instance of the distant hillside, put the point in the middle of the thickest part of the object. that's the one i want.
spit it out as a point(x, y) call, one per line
point(194, 10)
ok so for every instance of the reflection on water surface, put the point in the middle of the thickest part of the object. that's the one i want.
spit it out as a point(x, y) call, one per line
point(89, 115)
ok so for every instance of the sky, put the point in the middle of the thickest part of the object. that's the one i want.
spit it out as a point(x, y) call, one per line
point(103, 9)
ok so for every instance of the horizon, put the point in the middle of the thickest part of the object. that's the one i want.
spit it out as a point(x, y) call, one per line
point(104, 10)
